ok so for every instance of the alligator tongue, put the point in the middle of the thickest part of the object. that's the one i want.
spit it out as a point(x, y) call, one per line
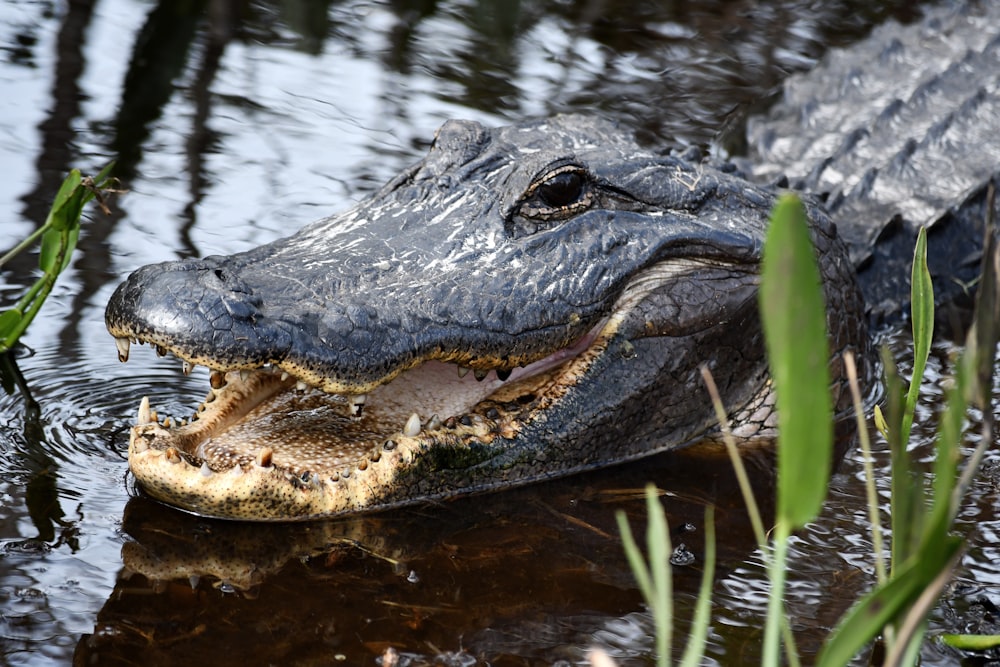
point(320, 431)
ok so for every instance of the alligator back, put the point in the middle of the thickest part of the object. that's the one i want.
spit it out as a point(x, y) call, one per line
point(897, 132)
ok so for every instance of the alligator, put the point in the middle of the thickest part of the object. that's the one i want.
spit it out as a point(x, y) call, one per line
point(535, 300)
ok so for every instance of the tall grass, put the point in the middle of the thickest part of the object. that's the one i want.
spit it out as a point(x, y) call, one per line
point(924, 547)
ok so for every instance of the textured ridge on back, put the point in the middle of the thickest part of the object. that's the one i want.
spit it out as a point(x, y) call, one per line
point(899, 131)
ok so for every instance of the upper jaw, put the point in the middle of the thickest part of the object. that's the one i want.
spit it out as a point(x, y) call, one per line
point(229, 461)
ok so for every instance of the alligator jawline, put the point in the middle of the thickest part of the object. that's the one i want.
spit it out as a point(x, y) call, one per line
point(264, 424)
point(217, 466)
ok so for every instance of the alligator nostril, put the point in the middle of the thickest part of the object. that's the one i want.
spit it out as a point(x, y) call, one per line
point(220, 275)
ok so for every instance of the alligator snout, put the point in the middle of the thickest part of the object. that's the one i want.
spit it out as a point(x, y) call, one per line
point(526, 302)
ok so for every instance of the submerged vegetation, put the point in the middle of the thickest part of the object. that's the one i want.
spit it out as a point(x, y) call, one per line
point(924, 545)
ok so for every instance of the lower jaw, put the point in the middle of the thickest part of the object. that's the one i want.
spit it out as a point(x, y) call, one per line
point(262, 450)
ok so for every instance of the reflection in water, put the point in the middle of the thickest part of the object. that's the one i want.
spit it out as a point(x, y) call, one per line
point(40, 492)
point(235, 122)
point(530, 573)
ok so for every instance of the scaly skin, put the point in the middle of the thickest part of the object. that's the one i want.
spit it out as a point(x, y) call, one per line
point(598, 275)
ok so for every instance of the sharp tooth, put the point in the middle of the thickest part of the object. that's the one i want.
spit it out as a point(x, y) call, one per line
point(480, 374)
point(172, 455)
point(217, 379)
point(122, 345)
point(284, 376)
point(145, 415)
point(187, 367)
point(236, 470)
point(356, 402)
point(434, 423)
point(503, 374)
point(264, 457)
point(139, 445)
point(161, 351)
point(244, 374)
point(412, 427)
point(205, 470)
point(462, 371)
point(301, 386)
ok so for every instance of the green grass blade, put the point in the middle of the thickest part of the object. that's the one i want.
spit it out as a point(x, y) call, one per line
point(53, 250)
point(72, 236)
point(972, 642)
point(871, 493)
point(658, 547)
point(794, 317)
point(948, 454)
point(907, 507)
point(985, 330)
point(59, 235)
point(9, 322)
point(696, 641)
point(655, 578)
point(922, 320)
point(777, 569)
point(886, 603)
point(634, 556)
point(58, 217)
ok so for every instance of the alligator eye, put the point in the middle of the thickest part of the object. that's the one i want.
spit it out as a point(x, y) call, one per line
point(558, 194)
point(561, 190)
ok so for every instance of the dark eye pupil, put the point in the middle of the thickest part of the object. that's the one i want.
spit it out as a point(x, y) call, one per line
point(562, 189)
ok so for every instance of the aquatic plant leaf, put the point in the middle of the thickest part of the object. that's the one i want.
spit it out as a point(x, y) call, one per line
point(985, 331)
point(59, 218)
point(887, 602)
point(72, 236)
point(696, 641)
point(972, 642)
point(907, 508)
point(8, 322)
point(52, 243)
point(922, 322)
point(658, 547)
point(947, 456)
point(880, 423)
point(634, 556)
point(655, 579)
point(59, 235)
point(794, 318)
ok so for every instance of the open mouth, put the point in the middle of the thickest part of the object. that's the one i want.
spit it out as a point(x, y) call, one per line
point(265, 444)
point(286, 438)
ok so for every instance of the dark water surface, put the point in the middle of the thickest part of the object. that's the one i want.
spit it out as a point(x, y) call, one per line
point(236, 122)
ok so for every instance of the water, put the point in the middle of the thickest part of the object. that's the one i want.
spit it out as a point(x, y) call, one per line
point(238, 122)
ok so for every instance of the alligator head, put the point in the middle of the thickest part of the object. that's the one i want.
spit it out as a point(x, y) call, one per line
point(523, 303)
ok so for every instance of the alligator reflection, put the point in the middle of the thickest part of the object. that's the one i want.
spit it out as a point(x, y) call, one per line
point(515, 576)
